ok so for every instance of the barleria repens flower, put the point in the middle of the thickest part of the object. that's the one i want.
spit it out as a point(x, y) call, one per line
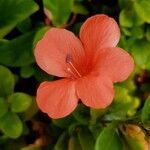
point(88, 66)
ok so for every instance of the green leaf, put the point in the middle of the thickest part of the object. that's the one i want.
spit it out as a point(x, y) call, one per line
point(73, 128)
point(145, 116)
point(137, 32)
point(30, 112)
point(76, 28)
point(86, 139)
point(60, 10)
point(129, 18)
point(12, 12)
point(123, 42)
point(11, 125)
point(126, 31)
point(142, 8)
point(19, 102)
point(78, 8)
point(7, 82)
point(25, 25)
point(40, 75)
point(62, 142)
point(121, 105)
point(141, 53)
point(108, 139)
point(82, 114)
point(64, 122)
point(125, 18)
point(39, 34)
point(26, 71)
point(96, 114)
point(17, 52)
point(96, 129)
point(124, 3)
point(3, 107)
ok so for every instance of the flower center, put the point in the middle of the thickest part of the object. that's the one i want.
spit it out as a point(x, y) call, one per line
point(71, 67)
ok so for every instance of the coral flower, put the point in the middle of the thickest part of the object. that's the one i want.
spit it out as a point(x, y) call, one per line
point(88, 66)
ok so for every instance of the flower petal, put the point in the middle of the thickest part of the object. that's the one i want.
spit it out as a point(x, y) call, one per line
point(99, 31)
point(57, 98)
point(51, 51)
point(115, 63)
point(95, 91)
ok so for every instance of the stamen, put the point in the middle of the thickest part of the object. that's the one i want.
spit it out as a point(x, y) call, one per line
point(71, 67)
point(76, 71)
point(69, 58)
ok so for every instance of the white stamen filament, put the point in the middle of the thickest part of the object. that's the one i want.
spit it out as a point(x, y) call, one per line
point(74, 69)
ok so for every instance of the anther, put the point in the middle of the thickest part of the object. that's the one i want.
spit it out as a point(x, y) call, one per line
point(68, 58)
point(71, 67)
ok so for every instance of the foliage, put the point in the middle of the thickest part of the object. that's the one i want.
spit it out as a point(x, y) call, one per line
point(124, 125)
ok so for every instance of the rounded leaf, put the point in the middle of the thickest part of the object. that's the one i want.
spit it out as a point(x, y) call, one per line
point(125, 19)
point(11, 125)
point(7, 81)
point(27, 71)
point(20, 102)
point(3, 107)
point(142, 9)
